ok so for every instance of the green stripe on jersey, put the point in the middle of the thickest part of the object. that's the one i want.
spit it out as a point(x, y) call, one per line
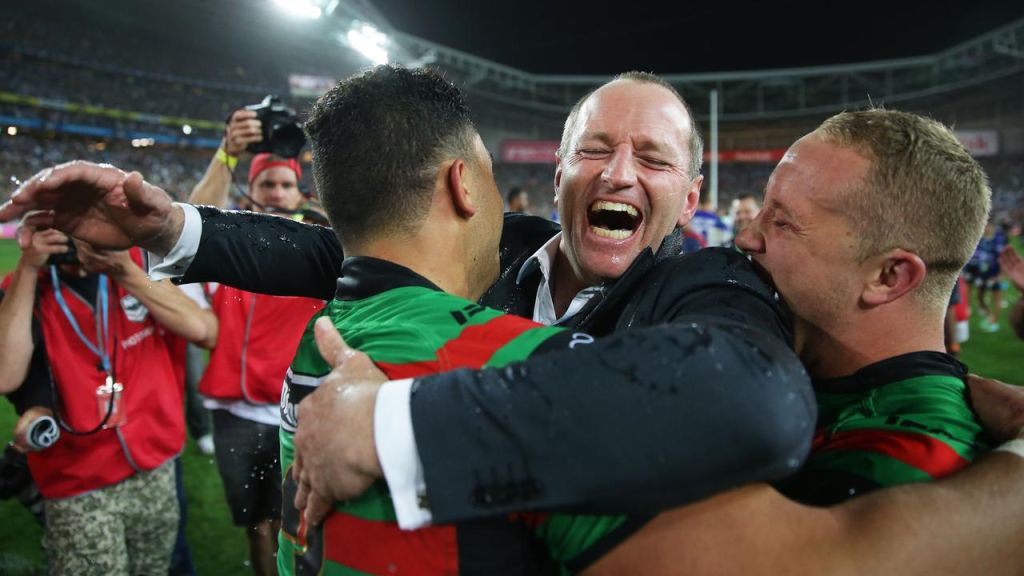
point(932, 405)
point(567, 536)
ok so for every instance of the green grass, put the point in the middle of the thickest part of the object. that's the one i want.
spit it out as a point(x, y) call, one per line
point(220, 548)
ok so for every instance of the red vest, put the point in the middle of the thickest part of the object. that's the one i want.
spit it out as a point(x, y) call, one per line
point(255, 344)
point(154, 429)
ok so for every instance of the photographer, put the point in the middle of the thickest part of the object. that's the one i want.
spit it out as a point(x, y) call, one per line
point(259, 333)
point(270, 131)
point(101, 328)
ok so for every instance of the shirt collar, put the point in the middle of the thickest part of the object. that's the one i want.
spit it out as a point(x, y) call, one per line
point(543, 307)
point(541, 260)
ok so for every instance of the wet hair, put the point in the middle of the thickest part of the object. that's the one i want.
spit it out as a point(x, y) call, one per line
point(923, 192)
point(378, 138)
point(694, 141)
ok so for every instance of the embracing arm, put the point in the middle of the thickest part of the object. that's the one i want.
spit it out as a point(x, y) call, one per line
point(636, 422)
point(969, 523)
point(266, 254)
point(705, 398)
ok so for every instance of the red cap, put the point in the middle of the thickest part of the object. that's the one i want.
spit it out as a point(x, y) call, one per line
point(266, 160)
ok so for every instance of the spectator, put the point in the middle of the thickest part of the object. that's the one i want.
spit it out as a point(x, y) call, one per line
point(258, 338)
point(100, 325)
point(707, 223)
point(518, 200)
point(745, 209)
point(1013, 265)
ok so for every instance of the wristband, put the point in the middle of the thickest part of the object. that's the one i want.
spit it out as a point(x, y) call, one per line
point(225, 159)
point(1015, 446)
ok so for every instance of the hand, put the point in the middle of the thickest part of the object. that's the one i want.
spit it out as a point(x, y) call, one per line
point(38, 245)
point(999, 406)
point(1012, 266)
point(100, 204)
point(113, 263)
point(20, 441)
point(335, 453)
point(243, 129)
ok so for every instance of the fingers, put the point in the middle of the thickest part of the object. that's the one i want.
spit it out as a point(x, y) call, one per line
point(243, 129)
point(143, 197)
point(69, 181)
point(330, 343)
point(301, 495)
point(317, 509)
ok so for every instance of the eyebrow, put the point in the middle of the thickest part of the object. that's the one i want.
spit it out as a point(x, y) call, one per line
point(602, 136)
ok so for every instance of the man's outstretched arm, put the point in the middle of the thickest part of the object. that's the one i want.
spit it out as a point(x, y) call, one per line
point(112, 209)
point(970, 523)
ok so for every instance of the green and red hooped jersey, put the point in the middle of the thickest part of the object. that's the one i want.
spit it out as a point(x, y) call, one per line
point(410, 331)
point(915, 429)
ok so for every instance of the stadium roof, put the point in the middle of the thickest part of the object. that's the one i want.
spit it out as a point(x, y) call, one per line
point(573, 37)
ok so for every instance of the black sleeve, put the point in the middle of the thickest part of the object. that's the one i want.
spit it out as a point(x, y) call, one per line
point(660, 415)
point(266, 254)
point(35, 390)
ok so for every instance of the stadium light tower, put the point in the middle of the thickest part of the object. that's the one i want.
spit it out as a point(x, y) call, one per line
point(306, 8)
point(368, 41)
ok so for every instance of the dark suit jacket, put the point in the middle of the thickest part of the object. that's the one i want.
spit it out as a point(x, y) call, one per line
point(693, 391)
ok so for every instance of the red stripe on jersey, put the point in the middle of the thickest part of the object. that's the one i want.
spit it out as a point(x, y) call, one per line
point(924, 452)
point(471, 349)
point(377, 547)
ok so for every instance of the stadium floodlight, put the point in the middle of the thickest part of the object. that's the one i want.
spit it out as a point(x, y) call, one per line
point(368, 41)
point(186, 129)
point(306, 8)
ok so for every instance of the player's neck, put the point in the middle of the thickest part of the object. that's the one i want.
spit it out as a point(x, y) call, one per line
point(439, 260)
point(845, 349)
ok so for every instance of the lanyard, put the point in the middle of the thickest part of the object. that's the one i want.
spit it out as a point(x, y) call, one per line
point(103, 329)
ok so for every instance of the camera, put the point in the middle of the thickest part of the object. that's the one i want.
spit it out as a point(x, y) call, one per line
point(69, 257)
point(282, 135)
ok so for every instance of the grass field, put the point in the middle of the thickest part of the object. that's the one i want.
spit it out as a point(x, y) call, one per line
point(220, 548)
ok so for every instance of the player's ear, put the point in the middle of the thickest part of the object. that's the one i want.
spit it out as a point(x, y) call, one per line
point(459, 188)
point(892, 275)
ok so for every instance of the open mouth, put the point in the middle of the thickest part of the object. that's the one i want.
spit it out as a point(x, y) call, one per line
point(614, 219)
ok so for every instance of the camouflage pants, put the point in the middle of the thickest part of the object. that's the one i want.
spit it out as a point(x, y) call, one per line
point(127, 528)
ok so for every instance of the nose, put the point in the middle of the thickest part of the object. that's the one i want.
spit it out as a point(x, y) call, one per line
point(751, 239)
point(620, 171)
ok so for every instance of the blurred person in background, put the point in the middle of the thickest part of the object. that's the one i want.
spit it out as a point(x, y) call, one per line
point(102, 328)
point(745, 209)
point(518, 200)
point(708, 224)
point(257, 341)
point(983, 272)
point(1013, 267)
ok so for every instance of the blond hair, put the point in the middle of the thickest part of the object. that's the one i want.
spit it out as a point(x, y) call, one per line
point(923, 192)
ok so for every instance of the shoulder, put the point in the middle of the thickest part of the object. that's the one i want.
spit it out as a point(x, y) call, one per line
point(525, 233)
point(710, 267)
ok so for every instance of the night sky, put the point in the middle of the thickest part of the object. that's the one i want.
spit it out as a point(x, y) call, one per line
point(554, 37)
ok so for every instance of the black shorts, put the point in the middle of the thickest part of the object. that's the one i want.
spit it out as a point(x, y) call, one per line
point(249, 460)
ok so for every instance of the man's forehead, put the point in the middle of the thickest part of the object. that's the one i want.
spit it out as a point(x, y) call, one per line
point(276, 174)
point(626, 104)
point(818, 170)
